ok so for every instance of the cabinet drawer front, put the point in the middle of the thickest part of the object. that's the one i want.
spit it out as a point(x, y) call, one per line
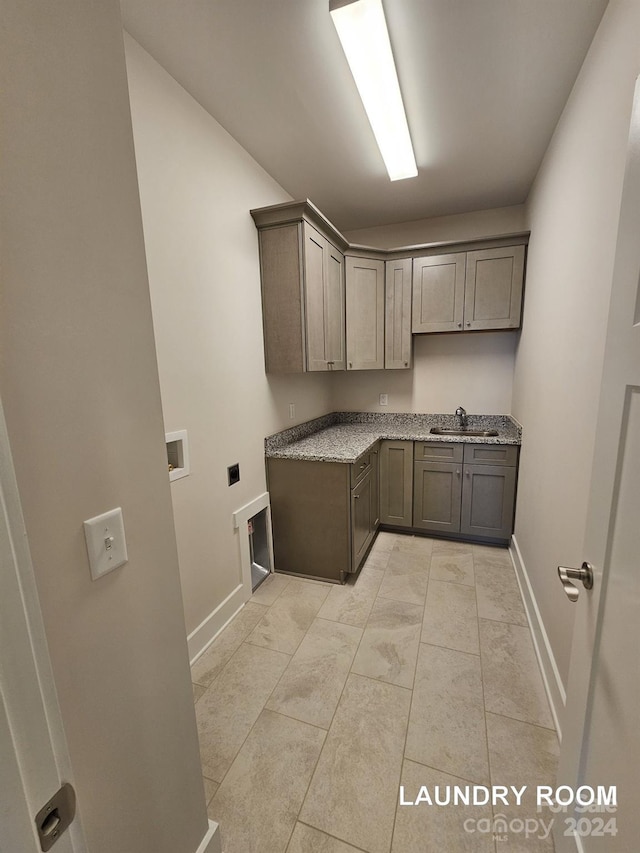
point(437, 451)
point(361, 467)
point(491, 454)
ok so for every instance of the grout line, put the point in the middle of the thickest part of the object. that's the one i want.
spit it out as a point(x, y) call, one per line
point(524, 722)
point(335, 837)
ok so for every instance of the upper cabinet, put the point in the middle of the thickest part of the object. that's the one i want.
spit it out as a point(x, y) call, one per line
point(323, 267)
point(364, 288)
point(397, 314)
point(303, 304)
point(329, 305)
point(468, 291)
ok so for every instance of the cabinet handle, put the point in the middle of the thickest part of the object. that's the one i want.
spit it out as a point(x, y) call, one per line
point(468, 322)
point(364, 465)
point(468, 473)
point(356, 497)
point(350, 364)
point(406, 364)
point(458, 472)
point(459, 325)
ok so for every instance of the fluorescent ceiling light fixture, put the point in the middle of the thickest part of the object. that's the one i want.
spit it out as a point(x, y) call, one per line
point(362, 29)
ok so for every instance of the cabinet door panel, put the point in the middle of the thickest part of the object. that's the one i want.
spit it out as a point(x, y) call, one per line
point(493, 291)
point(361, 520)
point(334, 309)
point(487, 500)
point(314, 263)
point(438, 293)
point(437, 488)
point(396, 483)
point(397, 328)
point(364, 282)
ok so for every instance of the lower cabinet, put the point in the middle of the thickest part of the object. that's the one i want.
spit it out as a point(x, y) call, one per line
point(466, 490)
point(324, 515)
point(396, 483)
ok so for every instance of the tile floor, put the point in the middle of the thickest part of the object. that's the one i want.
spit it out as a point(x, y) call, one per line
point(319, 701)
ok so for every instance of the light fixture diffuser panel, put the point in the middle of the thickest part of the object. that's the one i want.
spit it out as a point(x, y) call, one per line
point(363, 33)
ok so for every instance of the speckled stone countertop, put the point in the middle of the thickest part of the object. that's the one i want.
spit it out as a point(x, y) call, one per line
point(344, 436)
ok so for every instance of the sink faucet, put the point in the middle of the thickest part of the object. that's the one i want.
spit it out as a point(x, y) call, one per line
point(462, 415)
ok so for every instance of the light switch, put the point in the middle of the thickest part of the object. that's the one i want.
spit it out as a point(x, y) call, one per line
point(384, 399)
point(106, 544)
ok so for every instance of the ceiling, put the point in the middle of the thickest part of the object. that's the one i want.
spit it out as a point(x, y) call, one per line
point(483, 81)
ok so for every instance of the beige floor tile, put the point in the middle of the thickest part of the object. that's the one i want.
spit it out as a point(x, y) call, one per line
point(523, 754)
point(198, 690)
point(354, 789)
point(210, 664)
point(377, 559)
point(288, 619)
point(228, 709)
point(312, 684)
point(258, 802)
point(384, 541)
point(210, 788)
point(270, 589)
point(406, 578)
point(452, 566)
point(491, 554)
point(306, 839)
point(441, 546)
point(446, 726)
point(498, 593)
point(389, 646)
point(450, 617)
point(438, 829)
point(512, 681)
point(351, 603)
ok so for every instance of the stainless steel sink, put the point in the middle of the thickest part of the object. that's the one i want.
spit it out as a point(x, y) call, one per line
point(476, 433)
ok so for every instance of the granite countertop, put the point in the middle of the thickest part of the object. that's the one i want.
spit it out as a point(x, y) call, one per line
point(344, 436)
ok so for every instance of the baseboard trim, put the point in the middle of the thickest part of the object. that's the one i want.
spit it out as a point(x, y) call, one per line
point(201, 638)
point(550, 674)
point(211, 843)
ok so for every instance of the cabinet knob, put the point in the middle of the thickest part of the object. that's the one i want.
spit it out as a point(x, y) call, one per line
point(356, 497)
point(458, 472)
point(468, 322)
point(406, 364)
point(350, 364)
point(459, 325)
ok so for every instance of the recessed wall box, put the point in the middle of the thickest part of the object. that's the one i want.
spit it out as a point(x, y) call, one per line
point(233, 473)
point(178, 454)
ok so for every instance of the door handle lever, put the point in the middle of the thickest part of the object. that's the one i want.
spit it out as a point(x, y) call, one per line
point(567, 576)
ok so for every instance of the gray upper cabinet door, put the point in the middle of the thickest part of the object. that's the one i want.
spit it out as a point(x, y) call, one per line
point(324, 302)
point(493, 289)
point(438, 293)
point(397, 314)
point(364, 287)
point(396, 483)
point(488, 499)
point(437, 490)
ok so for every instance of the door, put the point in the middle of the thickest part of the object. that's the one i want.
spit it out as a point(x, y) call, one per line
point(361, 518)
point(364, 289)
point(334, 309)
point(437, 488)
point(438, 293)
point(397, 314)
point(493, 288)
point(33, 754)
point(396, 483)
point(601, 735)
point(324, 302)
point(488, 498)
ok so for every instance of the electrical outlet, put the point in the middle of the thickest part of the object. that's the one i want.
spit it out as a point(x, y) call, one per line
point(292, 411)
point(384, 399)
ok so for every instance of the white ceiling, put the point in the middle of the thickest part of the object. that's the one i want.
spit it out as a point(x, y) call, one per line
point(484, 83)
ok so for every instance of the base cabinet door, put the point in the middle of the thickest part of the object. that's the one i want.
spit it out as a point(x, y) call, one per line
point(488, 497)
point(437, 490)
point(362, 515)
point(396, 483)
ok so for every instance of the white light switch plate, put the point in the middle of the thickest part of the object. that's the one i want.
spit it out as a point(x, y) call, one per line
point(384, 399)
point(106, 544)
